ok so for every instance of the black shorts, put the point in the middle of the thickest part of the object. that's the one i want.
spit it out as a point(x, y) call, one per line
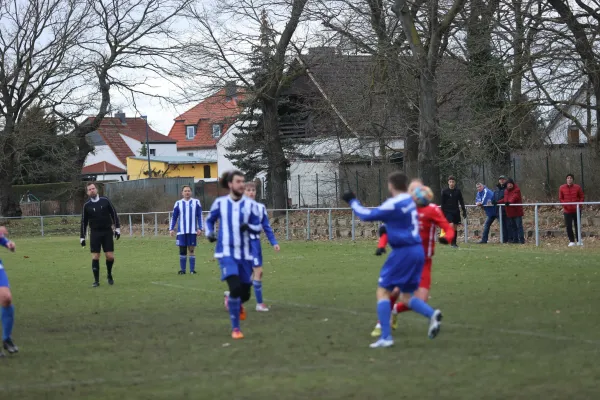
point(102, 240)
point(453, 217)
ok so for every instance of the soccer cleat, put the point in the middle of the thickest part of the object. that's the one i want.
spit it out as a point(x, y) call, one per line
point(237, 334)
point(389, 342)
point(180, 272)
point(111, 281)
point(9, 346)
point(193, 272)
point(262, 307)
point(394, 321)
point(572, 244)
point(242, 313)
point(226, 300)
point(435, 324)
point(376, 331)
point(95, 284)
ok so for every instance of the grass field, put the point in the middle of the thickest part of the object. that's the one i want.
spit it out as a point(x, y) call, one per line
point(520, 323)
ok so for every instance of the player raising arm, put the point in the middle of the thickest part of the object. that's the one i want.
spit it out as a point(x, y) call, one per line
point(8, 309)
point(404, 264)
point(235, 216)
point(187, 217)
point(255, 247)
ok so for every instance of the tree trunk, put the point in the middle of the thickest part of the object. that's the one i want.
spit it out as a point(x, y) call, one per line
point(9, 206)
point(277, 170)
point(429, 139)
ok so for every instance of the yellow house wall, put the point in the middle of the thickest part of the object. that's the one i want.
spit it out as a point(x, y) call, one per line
point(136, 168)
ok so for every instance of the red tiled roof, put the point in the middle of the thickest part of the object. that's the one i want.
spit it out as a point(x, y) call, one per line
point(216, 109)
point(102, 168)
point(111, 129)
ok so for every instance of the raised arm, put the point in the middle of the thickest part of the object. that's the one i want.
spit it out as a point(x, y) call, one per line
point(380, 213)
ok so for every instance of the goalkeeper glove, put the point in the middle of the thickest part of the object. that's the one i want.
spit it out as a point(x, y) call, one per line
point(348, 196)
point(82, 241)
point(118, 233)
point(212, 237)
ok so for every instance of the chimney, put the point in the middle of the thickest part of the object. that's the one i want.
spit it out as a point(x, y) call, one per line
point(230, 90)
point(121, 116)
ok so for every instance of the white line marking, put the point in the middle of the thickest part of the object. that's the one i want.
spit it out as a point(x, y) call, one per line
point(541, 335)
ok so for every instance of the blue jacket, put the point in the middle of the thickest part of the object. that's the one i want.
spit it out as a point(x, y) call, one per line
point(484, 197)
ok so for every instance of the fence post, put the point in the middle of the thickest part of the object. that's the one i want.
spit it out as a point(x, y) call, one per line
point(337, 197)
point(582, 180)
point(580, 241)
point(466, 230)
point(537, 226)
point(308, 224)
point(356, 182)
point(298, 191)
point(548, 172)
point(329, 223)
point(500, 223)
point(317, 178)
point(42, 225)
point(353, 226)
point(155, 224)
point(142, 225)
point(131, 227)
point(287, 224)
point(379, 184)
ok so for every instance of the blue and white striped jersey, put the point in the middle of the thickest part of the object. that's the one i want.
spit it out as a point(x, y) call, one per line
point(231, 214)
point(261, 211)
point(400, 216)
point(187, 215)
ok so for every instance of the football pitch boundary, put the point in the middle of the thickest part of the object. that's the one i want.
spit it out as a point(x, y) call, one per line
point(517, 332)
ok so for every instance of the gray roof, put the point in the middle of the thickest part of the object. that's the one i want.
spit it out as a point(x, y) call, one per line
point(177, 159)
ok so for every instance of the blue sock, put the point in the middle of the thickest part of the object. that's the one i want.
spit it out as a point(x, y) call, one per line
point(419, 306)
point(234, 312)
point(182, 261)
point(258, 291)
point(8, 318)
point(384, 313)
point(192, 263)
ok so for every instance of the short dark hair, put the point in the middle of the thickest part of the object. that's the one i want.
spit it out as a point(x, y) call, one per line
point(570, 175)
point(250, 185)
point(452, 178)
point(90, 184)
point(399, 180)
point(186, 186)
point(227, 177)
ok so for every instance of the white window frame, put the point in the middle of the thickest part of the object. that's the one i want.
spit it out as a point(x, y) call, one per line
point(213, 131)
point(190, 129)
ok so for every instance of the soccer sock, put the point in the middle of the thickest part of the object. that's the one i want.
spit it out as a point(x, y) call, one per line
point(419, 306)
point(8, 318)
point(258, 291)
point(454, 240)
point(234, 311)
point(192, 263)
point(401, 307)
point(384, 312)
point(96, 270)
point(182, 262)
point(109, 265)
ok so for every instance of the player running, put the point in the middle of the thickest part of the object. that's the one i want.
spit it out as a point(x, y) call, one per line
point(404, 265)
point(430, 217)
point(257, 272)
point(187, 215)
point(235, 215)
point(8, 309)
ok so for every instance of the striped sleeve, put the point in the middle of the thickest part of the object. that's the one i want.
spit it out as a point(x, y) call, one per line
point(199, 215)
point(175, 216)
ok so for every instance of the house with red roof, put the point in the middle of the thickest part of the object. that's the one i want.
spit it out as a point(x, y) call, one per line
point(118, 138)
point(198, 129)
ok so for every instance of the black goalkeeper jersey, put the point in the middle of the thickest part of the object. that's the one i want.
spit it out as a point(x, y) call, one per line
point(99, 214)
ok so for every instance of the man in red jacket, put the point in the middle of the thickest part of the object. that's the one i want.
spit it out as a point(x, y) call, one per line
point(571, 193)
point(512, 195)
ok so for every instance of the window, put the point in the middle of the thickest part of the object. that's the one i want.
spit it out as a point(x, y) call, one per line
point(573, 137)
point(152, 152)
point(190, 132)
point(207, 171)
point(216, 130)
point(190, 154)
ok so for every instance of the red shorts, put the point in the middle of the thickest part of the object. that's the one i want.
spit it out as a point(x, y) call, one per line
point(426, 274)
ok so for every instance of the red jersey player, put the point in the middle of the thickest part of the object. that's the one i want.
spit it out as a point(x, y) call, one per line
point(430, 217)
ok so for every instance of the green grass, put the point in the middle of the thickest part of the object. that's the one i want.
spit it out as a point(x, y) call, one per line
point(520, 323)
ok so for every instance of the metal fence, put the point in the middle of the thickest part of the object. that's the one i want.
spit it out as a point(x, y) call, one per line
point(541, 220)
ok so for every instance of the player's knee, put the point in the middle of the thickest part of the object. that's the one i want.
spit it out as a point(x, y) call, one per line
point(182, 250)
point(110, 257)
point(235, 286)
point(190, 251)
point(95, 256)
point(258, 273)
point(5, 298)
point(246, 292)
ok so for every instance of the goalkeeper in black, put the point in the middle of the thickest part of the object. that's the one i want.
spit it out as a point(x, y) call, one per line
point(452, 202)
point(100, 214)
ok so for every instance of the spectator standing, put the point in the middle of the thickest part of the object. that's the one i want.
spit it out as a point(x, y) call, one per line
point(485, 200)
point(499, 194)
point(452, 202)
point(512, 195)
point(571, 193)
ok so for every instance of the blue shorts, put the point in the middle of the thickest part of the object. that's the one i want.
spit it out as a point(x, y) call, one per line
point(403, 269)
point(186, 239)
point(230, 266)
point(256, 251)
point(3, 277)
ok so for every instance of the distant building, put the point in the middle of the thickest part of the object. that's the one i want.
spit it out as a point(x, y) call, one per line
point(171, 167)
